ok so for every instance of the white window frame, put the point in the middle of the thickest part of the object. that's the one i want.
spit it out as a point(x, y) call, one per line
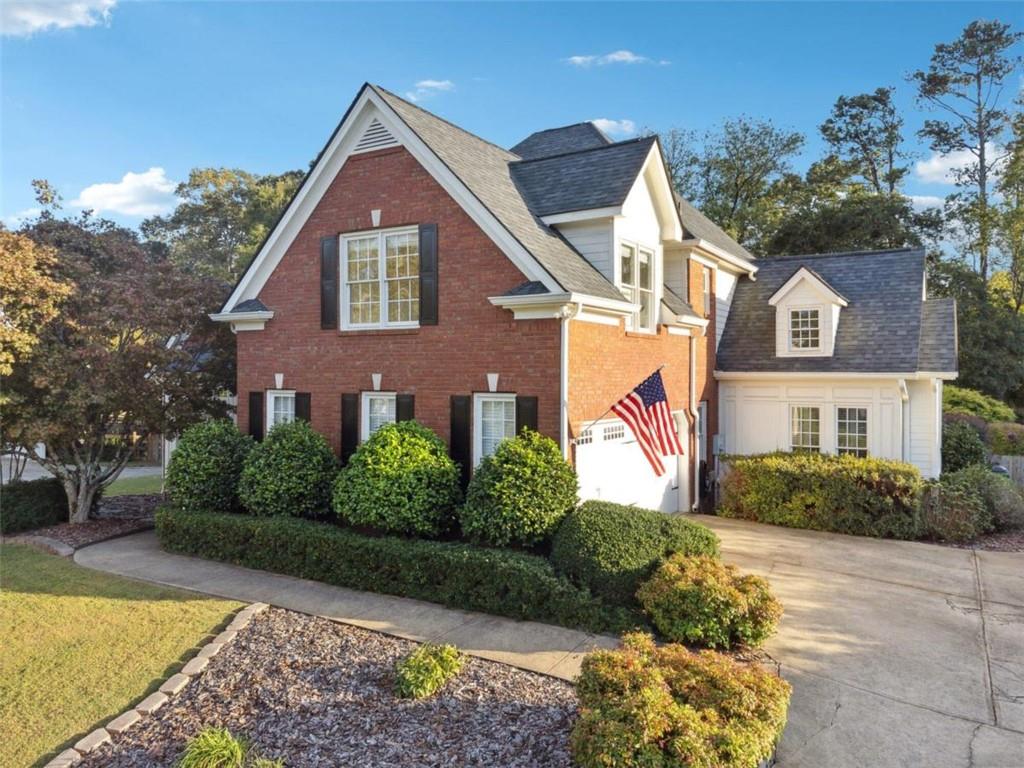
point(706, 285)
point(795, 350)
point(867, 428)
point(343, 283)
point(364, 410)
point(478, 437)
point(272, 395)
point(633, 291)
point(802, 448)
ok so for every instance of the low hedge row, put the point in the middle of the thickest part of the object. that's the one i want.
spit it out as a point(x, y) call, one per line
point(30, 504)
point(495, 581)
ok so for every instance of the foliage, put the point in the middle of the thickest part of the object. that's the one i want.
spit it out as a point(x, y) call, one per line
point(844, 494)
point(1004, 504)
point(610, 548)
point(520, 493)
point(289, 473)
point(976, 423)
point(495, 581)
point(222, 218)
point(953, 510)
point(214, 748)
point(961, 447)
point(29, 504)
point(206, 466)
point(1006, 438)
point(1009, 215)
point(401, 480)
point(424, 671)
point(702, 600)
point(963, 400)
point(866, 131)
point(644, 706)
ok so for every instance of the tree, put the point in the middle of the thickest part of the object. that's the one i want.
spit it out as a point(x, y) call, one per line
point(1009, 218)
point(965, 80)
point(681, 160)
point(223, 217)
point(131, 353)
point(866, 130)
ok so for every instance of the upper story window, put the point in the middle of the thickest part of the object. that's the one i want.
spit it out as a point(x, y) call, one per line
point(804, 329)
point(637, 271)
point(381, 274)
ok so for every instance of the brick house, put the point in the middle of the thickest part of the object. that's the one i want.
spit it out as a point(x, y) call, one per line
point(422, 272)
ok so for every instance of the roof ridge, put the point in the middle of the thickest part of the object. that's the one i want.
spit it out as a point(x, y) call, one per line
point(563, 127)
point(624, 142)
point(873, 252)
point(445, 121)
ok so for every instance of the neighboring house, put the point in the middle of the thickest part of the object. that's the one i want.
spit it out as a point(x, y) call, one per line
point(422, 272)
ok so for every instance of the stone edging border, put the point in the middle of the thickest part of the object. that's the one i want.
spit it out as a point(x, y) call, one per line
point(172, 685)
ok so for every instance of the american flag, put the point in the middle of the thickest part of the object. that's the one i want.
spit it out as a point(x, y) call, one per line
point(646, 411)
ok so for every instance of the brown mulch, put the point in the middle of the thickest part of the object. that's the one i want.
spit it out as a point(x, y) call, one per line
point(316, 693)
point(1008, 541)
point(78, 535)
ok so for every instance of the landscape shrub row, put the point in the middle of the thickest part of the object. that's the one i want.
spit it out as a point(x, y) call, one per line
point(970, 401)
point(30, 504)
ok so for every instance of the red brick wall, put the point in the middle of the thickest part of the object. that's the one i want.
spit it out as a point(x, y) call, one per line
point(472, 338)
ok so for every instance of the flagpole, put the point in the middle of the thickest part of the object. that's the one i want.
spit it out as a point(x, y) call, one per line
point(591, 424)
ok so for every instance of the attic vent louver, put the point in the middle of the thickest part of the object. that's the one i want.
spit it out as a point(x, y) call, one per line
point(376, 136)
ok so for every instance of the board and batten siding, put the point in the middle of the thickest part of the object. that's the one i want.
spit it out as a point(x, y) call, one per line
point(595, 240)
point(925, 438)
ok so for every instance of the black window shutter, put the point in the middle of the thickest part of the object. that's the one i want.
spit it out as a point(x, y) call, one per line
point(328, 282)
point(428, 274)
point(405, 407)
point(302, 406)
point(349, 426)
point(256, 415)
point(459, 446)
point(526, 413)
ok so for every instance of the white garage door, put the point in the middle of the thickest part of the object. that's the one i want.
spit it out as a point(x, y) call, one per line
point(612, 467)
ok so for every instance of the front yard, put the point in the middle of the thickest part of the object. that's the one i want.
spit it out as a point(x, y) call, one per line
point(80, 646)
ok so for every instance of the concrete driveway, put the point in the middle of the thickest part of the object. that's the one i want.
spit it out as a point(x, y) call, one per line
point(899, 653)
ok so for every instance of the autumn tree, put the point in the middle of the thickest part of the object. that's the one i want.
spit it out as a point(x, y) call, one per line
point(1009, 213)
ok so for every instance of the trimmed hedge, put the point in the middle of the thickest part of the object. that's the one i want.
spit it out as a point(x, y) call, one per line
point(610, 548)
point(1006, 438)
point(962, 400)
point(962, 446)
point(289, 473)
point(494, 581)
point(30, 504)
point(206, 465)
point(822, 492)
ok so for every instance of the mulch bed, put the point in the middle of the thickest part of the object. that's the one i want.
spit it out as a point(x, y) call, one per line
point(1009, 541)
point(314, 692)
point(82, 534)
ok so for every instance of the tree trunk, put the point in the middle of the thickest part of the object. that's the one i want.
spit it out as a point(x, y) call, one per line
point(80, 498)
point(983, 229)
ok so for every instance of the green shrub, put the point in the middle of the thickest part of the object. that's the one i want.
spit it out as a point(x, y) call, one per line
point(1006, 438)
point(610, 548)
point(961, 447)
point(214, 748)
point(520, 493)
point(29, 504)
point(962, 400)
point(644, 706)
point(401, 480)
point(822, 492)
point(458, 575)
point(1004, 504)
point(206, 466)
point(289, 473)
point(424, 671)
point(703, 601)
point(953, 510)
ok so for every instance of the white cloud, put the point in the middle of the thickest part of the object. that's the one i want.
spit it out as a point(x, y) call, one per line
point(23, 18)
point(136, 194)
point(426, 88)
point(938, 169)
point(615, 127)
point(615, 57)
point(15, 220)
point(924, 202)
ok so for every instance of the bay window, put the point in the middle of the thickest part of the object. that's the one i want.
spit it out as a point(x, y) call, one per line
point(381, 279)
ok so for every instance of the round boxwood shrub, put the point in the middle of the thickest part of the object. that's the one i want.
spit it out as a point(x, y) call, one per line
point(610, 548)
point(206, 465)
point(704, 601)
point(961, 447)
point(289, 473)
point(401, 480)
point(520, 493)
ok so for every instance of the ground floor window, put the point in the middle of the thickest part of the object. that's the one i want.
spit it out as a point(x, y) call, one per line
point(805, 423)
point(852, 431)
point(280, 408)
point(378, 409)
point(494, 420)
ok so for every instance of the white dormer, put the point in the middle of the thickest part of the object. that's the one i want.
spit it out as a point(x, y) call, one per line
point(806, 316)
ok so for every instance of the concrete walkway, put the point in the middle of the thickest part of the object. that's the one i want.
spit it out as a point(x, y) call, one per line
point(900, 654)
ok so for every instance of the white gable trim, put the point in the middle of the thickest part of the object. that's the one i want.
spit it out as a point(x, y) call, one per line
point(801, 275)
point(656, 177)
point(367, 107)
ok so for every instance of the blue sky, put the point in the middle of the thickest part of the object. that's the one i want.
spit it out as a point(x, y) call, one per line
point(114, 102)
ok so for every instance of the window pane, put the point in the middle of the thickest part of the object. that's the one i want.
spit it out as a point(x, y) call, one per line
point(364, 302)
point(363, 274)
point(380, 411)
point(282, 410)
point(804, 329)
point(806, 429)
point(628, 258)
point(646, 270)
point(646, 306)
point(852, 431)
point(497, 422)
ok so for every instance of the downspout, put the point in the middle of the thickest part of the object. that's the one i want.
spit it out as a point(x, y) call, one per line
point(568, 312)
point(694, 415)
point(904, 420)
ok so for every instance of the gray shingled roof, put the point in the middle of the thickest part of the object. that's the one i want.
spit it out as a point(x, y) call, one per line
point(578, 181)
point(557, 141)
point(485, 169)
point(676, 303)
point(885, 328)
point(699, 226)
point(250, 305)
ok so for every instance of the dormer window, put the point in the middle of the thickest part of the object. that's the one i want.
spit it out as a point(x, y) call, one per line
point(806, 315)
point(804, 329)
point(637, 270)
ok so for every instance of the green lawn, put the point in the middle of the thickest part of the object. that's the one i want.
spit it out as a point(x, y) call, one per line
point(125, 486)
point(80, 646)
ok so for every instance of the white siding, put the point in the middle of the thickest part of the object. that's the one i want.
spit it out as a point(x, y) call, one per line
point(925, 439)
point(675, 274)
point(805, 296)
point(594, 240)
point(725, 288)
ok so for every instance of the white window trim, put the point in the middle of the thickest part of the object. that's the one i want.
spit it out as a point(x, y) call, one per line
point(364, 411)
point(634, 325)
point(271, 395)
point(343, 283)
point(478, 399)
point(796, 351)
point(867, 420)
point(793, 407)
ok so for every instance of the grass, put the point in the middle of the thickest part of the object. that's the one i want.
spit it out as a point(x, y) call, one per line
point(80, 646)
point(125, 486)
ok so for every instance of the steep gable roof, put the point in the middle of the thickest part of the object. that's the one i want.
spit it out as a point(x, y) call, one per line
point(699, 227)
point(557, 141)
